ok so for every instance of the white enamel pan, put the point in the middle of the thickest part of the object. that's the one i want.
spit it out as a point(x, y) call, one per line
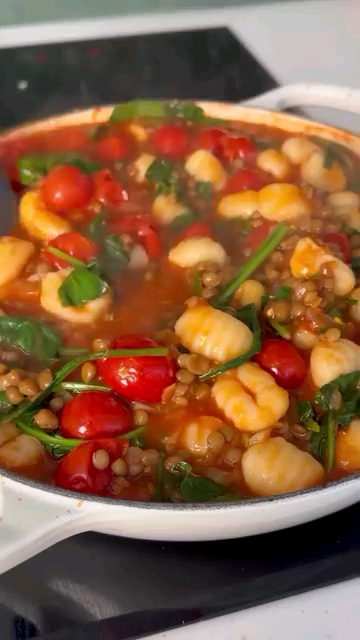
point(35, 516)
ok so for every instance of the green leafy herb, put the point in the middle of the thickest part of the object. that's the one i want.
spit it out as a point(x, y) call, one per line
point(248, 315)
point(97, 228)
point(347, 386)
point(77, 387)
point(257, 258)
point(355, 263)
point(351, 300)
point(80, 286)
point(197, 489)
point(5, 405)
point(35, 166)
point(182, 221)
point(284, 292)
point(197, 284)
point(65, 256)
point(305, 412)
point(159, 492)
point(281, 329)
point(204, 190)
point(334, 312)
point(181, 468)
point(161, 174)
point(173, 110)
point(33, 337)
point(264, 300)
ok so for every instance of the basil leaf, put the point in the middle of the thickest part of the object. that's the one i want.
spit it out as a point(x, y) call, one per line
point(185, 111)
point(181, 468)
point(284, 292)
point(161, 174)
point(115, 250)
point(138, 109)
point(204, 190)
point(33, 337)
point(80, 286)
point(248, 315)
point(182, 221)
point(5, 404)
point(305, 413)
point(347, 385)
point(98, 227)
point(197, 489)
point(34, 166)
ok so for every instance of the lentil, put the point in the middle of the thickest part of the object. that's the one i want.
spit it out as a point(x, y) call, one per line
point(28, 387)
point(216, 442)
point(185, 376)
point(140, 417)
point(150, 457)
point(44, 379)
point(119, 467)
point(46, 419)
point(100, 459)
point(13, 395)
point(88, 372)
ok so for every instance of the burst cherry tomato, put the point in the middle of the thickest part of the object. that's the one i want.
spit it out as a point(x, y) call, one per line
point(107, 190)
point(65, 188)
point(244, 179)
point(342, 241)
point(257, 235)
point(140, 378)
point(113, 148)
point(211, 139)
point(95, 414)
point(283, 361)
point(141, 228)
point(234, 147)
point(196, 229)
point(74, 244)
point(170, 140)
point(76, 472)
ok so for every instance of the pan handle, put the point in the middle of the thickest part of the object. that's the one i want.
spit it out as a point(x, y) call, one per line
point(29, 525)
point(310, 95)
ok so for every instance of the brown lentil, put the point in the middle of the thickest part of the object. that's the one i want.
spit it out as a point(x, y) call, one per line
point(100, 459)
point(46, 419)
point(301, 432)
point(117, 485)
point(44, 379)
point(278, 310)
point(208, 293)
point(88, 372)
point(14, 377)
point(297, 309)
point(133, 455)
point(211, 279)
point(56, 404)
point(119, 467)
point(182, 360)
point(232, 456)
point(197, 364)
point(135, 470)
point(140, 417)
point(227, 432)
point(181, 389)
point(29, 387)
point(150, 457)
point(13, 395)
point(100, 345)
point(185, 376)
point(202, 391)
point(216, 442)
point(332, 334)
point(3, 368)
point(180, 400)
point(4, 383)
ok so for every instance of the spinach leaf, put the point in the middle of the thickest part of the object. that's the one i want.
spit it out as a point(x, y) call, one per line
point(138, 109)
point(284, 292)
point(80, 286)
point(347, 385)
point(180, 222)
point(115, 251)
point(33, 337)
point(323, 442)
point(247, 315)
point(159, 492)
point(5, 405)
point(198, 489)
point(204, 190)
point(161, 174)
point(34, 166)
point(305, 413)
point(97, 228)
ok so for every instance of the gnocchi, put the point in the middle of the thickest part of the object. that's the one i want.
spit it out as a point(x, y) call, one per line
point(192, 251)
point(205, 167)
point(14, 256)
point(329, 360)
point(40, 223)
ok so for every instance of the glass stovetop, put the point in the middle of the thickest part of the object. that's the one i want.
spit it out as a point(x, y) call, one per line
point(92, 577)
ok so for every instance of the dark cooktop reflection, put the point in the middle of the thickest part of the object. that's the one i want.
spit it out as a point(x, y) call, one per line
point(38, 81)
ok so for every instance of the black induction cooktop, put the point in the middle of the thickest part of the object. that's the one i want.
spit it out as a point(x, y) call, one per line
point(38, 81)
point(93, 577)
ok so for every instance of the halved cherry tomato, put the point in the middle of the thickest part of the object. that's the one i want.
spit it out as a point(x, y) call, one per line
point(95, 414)
point(66, 188)
point(237, 147)
point(113, 148)
point(170, 140)
point(210, 139)
point(107, 190)
point(257, 235)
point(244, 179)
point(196, 229)
point(141, 227)
point(76, 472)
point(342, 240)
point(283, 361)
point(140, 378)
point(74, 244)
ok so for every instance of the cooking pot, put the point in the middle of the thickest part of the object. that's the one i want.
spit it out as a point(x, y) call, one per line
point(35, 516)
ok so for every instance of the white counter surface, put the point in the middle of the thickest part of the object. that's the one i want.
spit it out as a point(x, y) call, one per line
point(310, 41)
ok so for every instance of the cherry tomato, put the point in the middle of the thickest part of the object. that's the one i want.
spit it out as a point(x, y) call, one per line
point(65, 139)
point(151, 241)
point(342, 240)
point(65, 188)
point(74, 244)
point(237, 147)
point(107, 190)
point(283, 361)
point(171, 141)
point(76, 471)
point(257, 235)
point(141, 228)
point(113, 148)
point(244, 179)
point(95, 414)
point(211, 139)
point(140, 378)
point(196, 229)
